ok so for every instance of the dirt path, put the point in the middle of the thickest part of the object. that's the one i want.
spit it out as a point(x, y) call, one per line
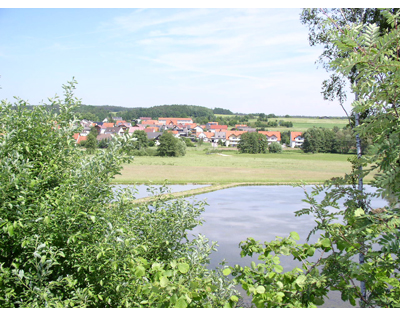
point(225, 155)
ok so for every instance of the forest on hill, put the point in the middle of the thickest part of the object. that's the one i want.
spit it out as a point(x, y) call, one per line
point(99, 113)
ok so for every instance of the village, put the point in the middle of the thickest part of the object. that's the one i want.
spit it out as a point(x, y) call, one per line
point(212, 132)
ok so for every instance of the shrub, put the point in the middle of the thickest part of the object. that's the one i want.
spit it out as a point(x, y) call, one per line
point(171, 146)
point(67, 240)
point(252, 143)
point(275, 148)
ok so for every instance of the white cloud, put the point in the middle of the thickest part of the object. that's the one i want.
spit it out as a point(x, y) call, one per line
point(241, 59)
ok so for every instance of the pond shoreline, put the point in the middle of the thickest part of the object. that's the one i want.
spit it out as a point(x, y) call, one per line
point(211, 188)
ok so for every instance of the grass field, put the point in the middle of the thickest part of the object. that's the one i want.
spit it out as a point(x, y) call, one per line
point(230, 166)
point(301, 124)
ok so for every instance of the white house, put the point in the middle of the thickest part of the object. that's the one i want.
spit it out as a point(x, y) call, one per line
point(271, 136)
point(205, 136)
point(175, 120)
point(296, 139)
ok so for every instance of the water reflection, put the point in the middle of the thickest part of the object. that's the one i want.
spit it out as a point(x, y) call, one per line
point(261, 212)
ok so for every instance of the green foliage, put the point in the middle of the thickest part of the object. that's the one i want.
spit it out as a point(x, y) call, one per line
point(99, 113)
point(222, 111)
point(316, 140)
point(68, 240)
point(91, 142)
point(252, 143)
point(141, 139)
point(171, 146)
point(269, 286)
point(370, 54)
point(188, 142)
point(275, 147)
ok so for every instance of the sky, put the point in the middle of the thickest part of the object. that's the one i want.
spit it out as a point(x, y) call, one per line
point(245, 60)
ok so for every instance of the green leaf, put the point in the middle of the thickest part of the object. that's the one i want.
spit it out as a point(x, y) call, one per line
point(342, 245)
point(326, 243)
point(46, 220)
point(358, 212)
point(227, 271)
point(260, 289)
point(278, 268)
point(183, 267)
point(318, 301)
point(234, 298)
point(276, 260)
point(311, 251)
point(140, 271)
point(294, 235)
point(301, 280)
point(163, 281)
point(181, 303)
point(10, 229)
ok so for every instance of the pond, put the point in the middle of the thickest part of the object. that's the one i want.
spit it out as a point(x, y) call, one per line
point(261, 212)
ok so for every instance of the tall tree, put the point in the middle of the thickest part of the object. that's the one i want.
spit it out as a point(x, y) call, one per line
point(253, 143)
point(171, 146)
point(372, 232)
point(141, 139)
point(91, 142)
point(321, 22)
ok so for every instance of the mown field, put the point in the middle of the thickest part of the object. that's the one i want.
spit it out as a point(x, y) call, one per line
point(229, 166)
point(301, 124)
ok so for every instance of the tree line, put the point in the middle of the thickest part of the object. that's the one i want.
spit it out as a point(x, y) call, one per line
point(99, 113)
point(336, 140)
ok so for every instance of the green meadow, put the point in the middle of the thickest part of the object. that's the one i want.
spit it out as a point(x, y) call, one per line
point(301, 124)
point(229, 166)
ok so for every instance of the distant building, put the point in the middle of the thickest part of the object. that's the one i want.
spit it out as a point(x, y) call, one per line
point(296, 139)
point(175, 120)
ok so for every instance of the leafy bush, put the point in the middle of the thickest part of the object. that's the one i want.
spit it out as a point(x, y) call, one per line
point(188, 142)
point(252, 143)
point(171, 146)
point(67, 240)
point(275, 148)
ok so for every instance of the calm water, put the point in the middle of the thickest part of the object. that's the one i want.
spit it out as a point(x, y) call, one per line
point(261, 212)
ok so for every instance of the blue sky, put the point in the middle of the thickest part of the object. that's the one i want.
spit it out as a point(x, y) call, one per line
point(245, 60)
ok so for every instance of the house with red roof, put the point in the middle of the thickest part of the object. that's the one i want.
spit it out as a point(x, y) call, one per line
point(272, 136)
point(175, 120)
point(233, 138)
point(79, 138)
point(149, 122)
point(205, 136)
point(151, 129)
point(218, 128)
point(296, 139)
